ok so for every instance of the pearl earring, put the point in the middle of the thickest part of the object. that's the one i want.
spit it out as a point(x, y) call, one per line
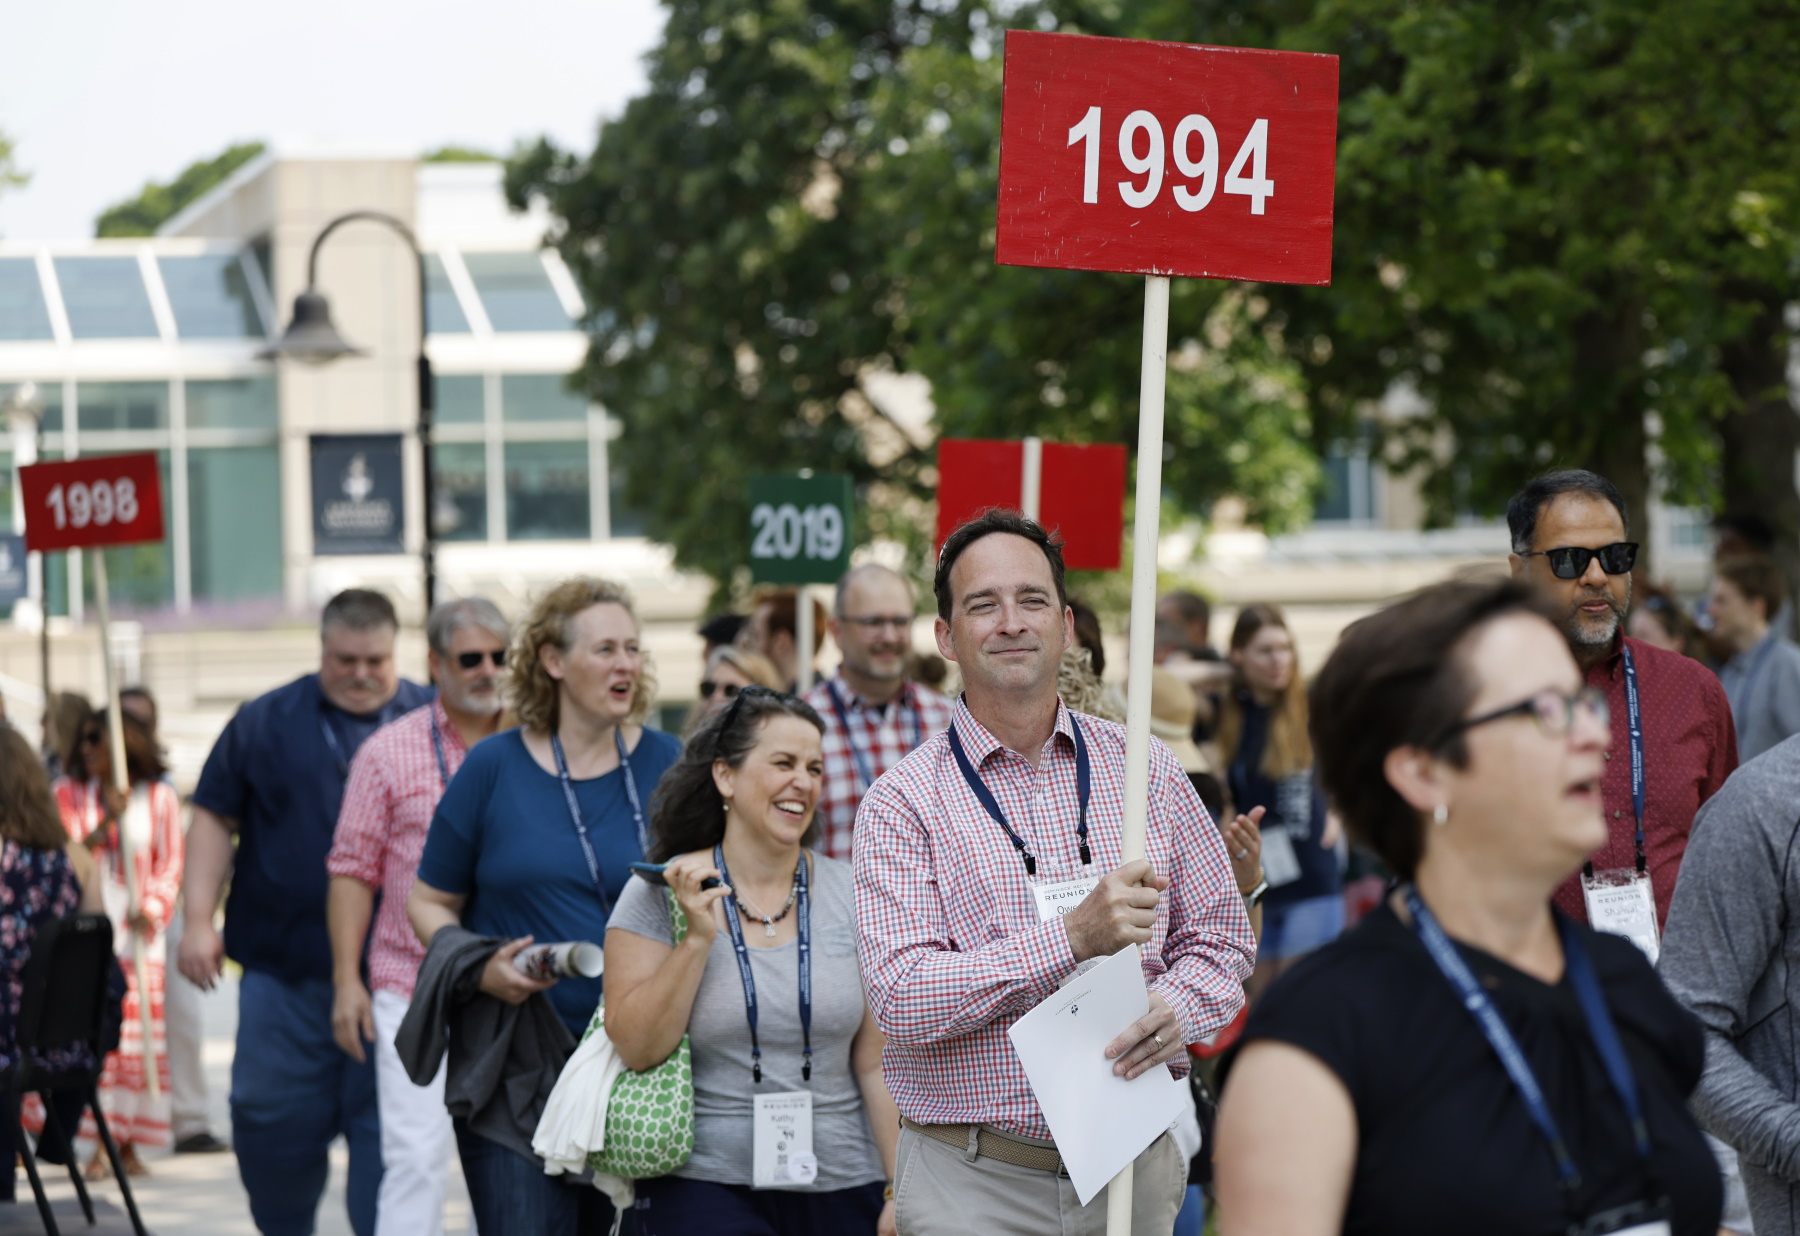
point(1440, 814)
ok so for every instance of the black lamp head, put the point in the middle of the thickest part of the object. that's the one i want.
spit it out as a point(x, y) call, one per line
point(310, 336)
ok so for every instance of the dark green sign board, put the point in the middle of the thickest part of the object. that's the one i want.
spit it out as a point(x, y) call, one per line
point(799, 529)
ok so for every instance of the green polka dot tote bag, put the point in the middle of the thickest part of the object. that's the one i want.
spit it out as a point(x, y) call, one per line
point(650, 1115)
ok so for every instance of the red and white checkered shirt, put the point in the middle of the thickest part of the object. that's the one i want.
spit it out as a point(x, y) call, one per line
point(882, 735)
point(394, 787)
point(951, 945)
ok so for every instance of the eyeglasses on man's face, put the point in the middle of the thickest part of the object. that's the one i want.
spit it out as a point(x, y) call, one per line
point(877, 622)
point(473, 660)
point(1553, 710)
point(1571, 561)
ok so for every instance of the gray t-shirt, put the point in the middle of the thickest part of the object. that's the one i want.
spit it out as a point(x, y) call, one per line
point(720, 1034)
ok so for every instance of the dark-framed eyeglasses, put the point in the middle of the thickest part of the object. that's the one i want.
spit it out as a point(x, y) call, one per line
point(708, 688)
point(1571, 561)
point(1554, 711)
point(473, 660)
point(876, 622)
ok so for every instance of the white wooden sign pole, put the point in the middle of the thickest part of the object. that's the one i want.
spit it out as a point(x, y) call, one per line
point(803, 639)
point(115, 724)
point(1146, 526)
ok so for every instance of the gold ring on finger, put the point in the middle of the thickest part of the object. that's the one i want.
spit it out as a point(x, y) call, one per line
point(1159, 1043)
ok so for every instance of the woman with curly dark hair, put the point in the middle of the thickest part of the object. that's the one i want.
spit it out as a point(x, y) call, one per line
point(765, 984)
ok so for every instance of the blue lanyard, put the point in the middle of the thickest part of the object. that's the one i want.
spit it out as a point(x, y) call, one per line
point(437, 749)
point(1634, 724)
point(803, 904)
point(863, 767)
point(1512, 1058)
point(1083, 778)
point(337, 748)
point(581, 832)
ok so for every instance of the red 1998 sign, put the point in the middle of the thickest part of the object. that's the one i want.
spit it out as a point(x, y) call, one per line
point(1167, 159)
point(98, 500)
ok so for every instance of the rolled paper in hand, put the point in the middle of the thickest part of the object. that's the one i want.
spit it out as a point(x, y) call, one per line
point(569, 959)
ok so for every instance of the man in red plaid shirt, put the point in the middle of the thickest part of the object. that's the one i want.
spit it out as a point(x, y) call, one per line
point(968, 857)
point(873, 714)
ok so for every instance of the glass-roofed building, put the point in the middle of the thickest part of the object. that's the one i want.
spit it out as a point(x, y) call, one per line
point(154, 345)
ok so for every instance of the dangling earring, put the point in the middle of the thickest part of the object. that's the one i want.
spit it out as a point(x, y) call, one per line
point(1440, 814)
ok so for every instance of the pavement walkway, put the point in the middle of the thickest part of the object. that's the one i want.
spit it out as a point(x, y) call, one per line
point(197, 1195)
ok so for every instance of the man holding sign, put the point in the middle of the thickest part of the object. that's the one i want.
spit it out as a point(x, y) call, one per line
point(988, 869)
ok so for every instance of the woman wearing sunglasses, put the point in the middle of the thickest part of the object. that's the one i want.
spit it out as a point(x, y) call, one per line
point(149, 820)
point(766, 984)
point(534, 840)
point(728, 670)
point(1466, 1059)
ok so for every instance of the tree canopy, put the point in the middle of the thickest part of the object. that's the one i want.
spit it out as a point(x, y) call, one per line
point(1558, 229)
point(10, 175)
point(157, 203)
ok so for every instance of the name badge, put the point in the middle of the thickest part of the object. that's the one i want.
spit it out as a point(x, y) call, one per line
point(783, 1146)
point(1056, 898)
point(1279, 862)
point(1620, 902)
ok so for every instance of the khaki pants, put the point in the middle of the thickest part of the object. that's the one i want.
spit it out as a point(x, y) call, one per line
point(940, 1191)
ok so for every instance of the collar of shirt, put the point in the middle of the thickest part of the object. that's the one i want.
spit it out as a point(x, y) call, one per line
point(453, 743)
point(983, 746)
point(854, 702)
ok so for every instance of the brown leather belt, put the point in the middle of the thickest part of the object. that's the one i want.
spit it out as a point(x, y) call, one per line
point(991, 1144)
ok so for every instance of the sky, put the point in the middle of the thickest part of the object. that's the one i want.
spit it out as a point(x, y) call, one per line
point(100, 97)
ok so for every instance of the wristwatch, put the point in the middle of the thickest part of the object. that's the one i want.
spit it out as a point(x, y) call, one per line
point(1254, 897)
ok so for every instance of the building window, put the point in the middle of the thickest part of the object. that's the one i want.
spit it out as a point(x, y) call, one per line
point(23, 313)
point(235, 403)
point(547, 496)
point(210, 297)
point(516, 292)
point(121, 407)
point(139, 577)
point(1348, 495)
point(538, 398)
point(105, 298)
point(234, 522)
point(461, 399)
point(460, 477)
point(443, 313)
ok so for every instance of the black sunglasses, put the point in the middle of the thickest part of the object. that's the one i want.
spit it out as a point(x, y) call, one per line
point(1571, 561)
point(472, 660)
point(708, 687)
point(92, 738)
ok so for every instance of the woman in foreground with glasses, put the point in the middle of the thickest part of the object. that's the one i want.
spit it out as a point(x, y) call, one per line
point(1466, 1059)
point(766, 984)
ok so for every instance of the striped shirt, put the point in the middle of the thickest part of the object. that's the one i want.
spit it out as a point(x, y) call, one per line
point(394, 787)
point(881, 734)
point(952, 949)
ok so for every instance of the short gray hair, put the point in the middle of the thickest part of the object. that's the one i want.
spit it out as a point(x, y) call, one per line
point(449, 617)
point(359, 609)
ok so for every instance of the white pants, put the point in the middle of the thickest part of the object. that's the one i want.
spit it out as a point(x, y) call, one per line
point(417, 1140)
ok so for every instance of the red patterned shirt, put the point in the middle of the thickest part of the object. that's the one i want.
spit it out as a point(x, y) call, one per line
point(1690, 747)
point(952, 948)
point(394, 787)
point(881, 735)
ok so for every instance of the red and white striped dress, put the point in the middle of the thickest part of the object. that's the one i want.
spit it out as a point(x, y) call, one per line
point(153, 824)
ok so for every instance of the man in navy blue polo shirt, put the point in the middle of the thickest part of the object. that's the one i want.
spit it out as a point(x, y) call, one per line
point(275, 779)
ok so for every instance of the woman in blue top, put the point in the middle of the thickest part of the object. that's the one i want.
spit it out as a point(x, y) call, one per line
point(1269, 768)
point(533, 840)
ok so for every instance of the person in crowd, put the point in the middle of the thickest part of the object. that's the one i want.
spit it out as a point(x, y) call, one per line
point(395, 782)
point(966, 850)
point(773, 630)
point(1268, 758)
point(1762, 676)
point(534, 840)
point(44, 875)
point(1172, 707)
point(1190, 615)
point(67, 713)
point(728, 670)
point(1084, 669)
point(1733, 925)
point(1467, 1059)
point(107, 822)
point(1568, 542)
point(1657, 618)
point(874, 715)
point(740, 808)
point(189, 1122)
point(928, 670)
point(719, 631)
point(275, 780)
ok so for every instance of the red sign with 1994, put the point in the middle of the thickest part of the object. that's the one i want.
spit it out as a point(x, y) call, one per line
point(1167, 159)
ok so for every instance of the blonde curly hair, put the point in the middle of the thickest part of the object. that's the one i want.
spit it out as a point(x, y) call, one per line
point(533, 694)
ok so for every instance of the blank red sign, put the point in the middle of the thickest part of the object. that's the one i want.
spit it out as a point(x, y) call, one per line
point(1081, 493)
point(1167, 158)
point(97, 500)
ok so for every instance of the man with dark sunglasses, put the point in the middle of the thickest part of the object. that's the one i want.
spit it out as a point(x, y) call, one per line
point(395, 782)
point(1671, 722)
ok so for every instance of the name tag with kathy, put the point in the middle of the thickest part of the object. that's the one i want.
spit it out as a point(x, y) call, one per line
point(1055, 897)
point(1621, 902)
point(783, 1146)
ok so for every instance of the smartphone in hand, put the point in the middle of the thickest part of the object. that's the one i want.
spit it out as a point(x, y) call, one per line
point(653, 872)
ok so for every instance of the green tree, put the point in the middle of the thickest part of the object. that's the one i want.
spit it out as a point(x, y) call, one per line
point(458, 154)
point(157, 203)
point(10, 175)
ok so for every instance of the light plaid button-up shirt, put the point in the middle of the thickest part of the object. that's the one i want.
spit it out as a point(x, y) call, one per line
point(952, 949)
point(394, 787)
point(884, 735)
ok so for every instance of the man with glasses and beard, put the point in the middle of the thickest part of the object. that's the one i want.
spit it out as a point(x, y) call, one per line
point(275, 780)
point(395, 783)
point(874, 715)
point(1673, 741)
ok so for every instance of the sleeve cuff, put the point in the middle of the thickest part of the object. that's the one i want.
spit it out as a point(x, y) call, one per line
point(1047, 956)
point(1190, 1011)
point(352, 866)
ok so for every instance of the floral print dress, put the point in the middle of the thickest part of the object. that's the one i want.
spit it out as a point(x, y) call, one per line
point(35, 887)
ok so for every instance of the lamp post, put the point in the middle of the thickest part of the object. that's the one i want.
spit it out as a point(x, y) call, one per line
point(313, 339)
point(25, 416)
